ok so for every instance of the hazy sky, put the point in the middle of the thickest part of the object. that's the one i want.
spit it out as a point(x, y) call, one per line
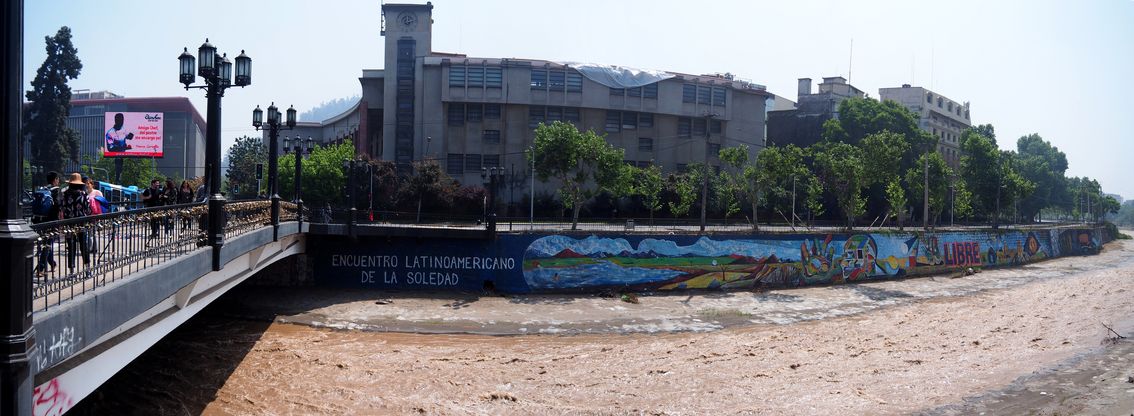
point(1058, 68)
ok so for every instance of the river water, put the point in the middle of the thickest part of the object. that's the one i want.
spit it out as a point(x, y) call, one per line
point(890, 347)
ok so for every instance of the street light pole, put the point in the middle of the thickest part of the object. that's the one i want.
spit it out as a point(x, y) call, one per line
point(296, 146)
point(217, 72)
point(274, 128)
point(531, 195)
point(17, 340)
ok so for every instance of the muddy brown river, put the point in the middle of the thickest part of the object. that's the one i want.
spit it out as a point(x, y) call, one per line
point(991, 343)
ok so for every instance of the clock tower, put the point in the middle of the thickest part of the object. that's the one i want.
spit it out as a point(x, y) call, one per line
point(407, 29)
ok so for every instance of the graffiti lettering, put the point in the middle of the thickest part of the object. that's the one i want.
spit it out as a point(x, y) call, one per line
point(50, 400)
point(467, 263)
point(351, 260)
point(962, 254)
point(432, 278)
point(57, 347)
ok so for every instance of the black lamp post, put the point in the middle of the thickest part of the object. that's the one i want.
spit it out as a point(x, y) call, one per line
point(348, 166)
point(17, 333)
point(273, 128)
point(217, 73)
point(492, 177)
point(298, 147)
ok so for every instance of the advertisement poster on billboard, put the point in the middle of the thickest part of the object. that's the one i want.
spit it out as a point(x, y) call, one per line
point(133, 135)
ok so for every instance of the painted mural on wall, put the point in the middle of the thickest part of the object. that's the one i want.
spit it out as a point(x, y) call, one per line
point(687, 262)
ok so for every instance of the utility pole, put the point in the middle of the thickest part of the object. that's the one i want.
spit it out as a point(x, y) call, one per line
point(793, 202)
point(925, 195)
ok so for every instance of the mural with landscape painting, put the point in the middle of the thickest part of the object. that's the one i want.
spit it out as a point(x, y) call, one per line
point(559, 262)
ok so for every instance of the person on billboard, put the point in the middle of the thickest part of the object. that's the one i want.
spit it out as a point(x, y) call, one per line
point(115, 139)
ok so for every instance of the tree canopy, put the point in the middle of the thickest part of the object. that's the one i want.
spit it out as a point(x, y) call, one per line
point(243, 156)
point(52, 142)
point(583, 162)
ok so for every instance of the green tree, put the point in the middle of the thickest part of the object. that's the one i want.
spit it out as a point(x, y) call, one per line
point(939, 174)
point(896, 199)
point(323, 176)
point(684, 187)
point(732, 190)
point(777, 173)
point(649, 184)
point(52, 142)
point(429, 188)
point(583, 162)
point(861, 117)
point(243, 156)
point(1044, 165)
point(1125, 215)
point(980, 169)
point(840, 169)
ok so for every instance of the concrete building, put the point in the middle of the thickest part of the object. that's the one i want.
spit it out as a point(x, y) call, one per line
point(471, 112)
point(803, 125)
point(183, 127)
point(946, 119)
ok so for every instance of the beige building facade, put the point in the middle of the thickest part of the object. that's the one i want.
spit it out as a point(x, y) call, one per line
point(945, 118)
point(470, 113)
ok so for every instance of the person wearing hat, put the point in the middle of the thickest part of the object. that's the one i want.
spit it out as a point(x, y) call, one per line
point(76, 205)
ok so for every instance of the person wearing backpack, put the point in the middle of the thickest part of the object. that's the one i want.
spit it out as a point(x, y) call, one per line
point(45, 207)
point(76, 205)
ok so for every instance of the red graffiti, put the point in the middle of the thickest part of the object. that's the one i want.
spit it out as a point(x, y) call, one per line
point(962, 254)
point(50, 400)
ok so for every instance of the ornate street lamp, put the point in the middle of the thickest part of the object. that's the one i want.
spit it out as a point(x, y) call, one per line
point(492, 177)
point(217, 73)
point(297, 146)
point(273, 127)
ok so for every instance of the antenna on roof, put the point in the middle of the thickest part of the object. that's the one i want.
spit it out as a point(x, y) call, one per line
point(850, 62)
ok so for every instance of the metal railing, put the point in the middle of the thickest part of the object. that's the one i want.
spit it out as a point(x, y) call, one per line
point(79, 255)
point(75, 256)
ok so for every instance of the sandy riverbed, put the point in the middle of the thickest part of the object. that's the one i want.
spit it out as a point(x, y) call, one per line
point(944, 341)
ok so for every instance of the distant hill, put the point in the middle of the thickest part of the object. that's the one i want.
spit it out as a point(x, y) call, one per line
point(328, 109)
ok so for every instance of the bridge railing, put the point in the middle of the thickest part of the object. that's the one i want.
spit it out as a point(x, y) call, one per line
point(78, 255)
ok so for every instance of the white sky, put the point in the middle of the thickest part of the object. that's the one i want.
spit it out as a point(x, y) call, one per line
point(1057, 68)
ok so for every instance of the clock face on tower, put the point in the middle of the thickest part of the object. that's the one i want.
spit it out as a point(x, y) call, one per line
point(408, 20)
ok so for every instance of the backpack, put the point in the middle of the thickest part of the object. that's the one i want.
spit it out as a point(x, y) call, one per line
point(75, 204)
point(42, 203)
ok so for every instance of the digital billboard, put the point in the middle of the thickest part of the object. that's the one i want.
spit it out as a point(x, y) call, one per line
point(133, 135)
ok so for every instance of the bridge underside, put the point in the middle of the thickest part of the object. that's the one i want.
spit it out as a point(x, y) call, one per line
point(84, 342)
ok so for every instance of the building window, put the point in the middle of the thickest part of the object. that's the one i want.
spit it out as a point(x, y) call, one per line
point(494, 76)
point(688, 93)
point(491, 161)
point(472, 163)
point(574, 82)
point(556, 80)
point(718, 96)
point(645, 120)
point(698, 127)
point(713, 150)
point(571, 114)
point(455, 164)
point(554, 114)
point(715, 127)
point(629, 120)
point(634, 92)
point(966, 114)
point(492, 111)
point(683, 128)
point(645, 144)
point(476, 76)
point(613, 121)
point(539, 79)
point(929, 98)
point(456, 114)
point(949, 106)
point(474, 114)
point(535, 116)
point(457, 76)
point(617, 91)
point(703, 95)
point(491, 137)
point(939, 102)
point(650, 91)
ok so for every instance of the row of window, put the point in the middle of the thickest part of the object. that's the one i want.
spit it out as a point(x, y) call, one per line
point(476, 76)
point(688, 127)
point(457, 163)
point(548, 115)
point(459, 113)
point(701, 94)
point(627, 120)
point(556, 80)
point(947, 105)
point(645, 91)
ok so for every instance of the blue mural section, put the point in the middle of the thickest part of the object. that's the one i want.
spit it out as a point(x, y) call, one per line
point(562, 263)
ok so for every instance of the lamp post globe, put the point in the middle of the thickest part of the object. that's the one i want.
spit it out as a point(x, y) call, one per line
point(206, 59)
point(291, 117)
point(243, 70)
point(225, 71)
point(187, 63)
point(257, 117)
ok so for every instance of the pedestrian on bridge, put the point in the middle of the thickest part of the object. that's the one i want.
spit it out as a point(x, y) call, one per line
point(76, 205)
point(45, 207)
point(151, 198)
point(185, 196)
